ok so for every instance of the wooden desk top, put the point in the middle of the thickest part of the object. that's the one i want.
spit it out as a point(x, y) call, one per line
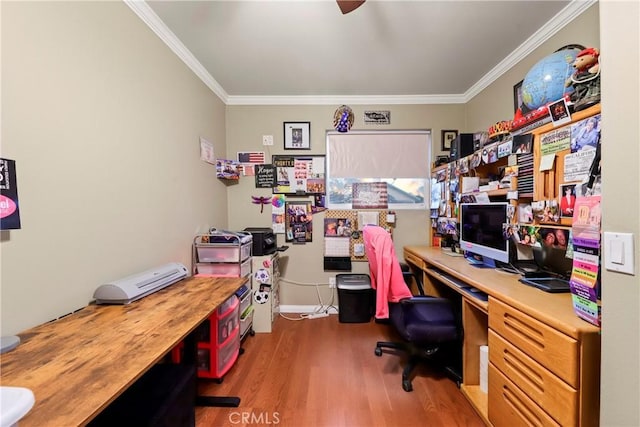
point(77, 365)
point(556, 310)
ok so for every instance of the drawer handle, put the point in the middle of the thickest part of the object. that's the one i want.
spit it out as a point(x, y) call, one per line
point(519, 408)
point(525, 331)
point(533, 378)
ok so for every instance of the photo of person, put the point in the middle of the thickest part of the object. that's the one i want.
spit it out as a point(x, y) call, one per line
point(330, 227)
point(562, 238)
point(548, 237)
point(546, 210)
point(522, 144)
point(475, 160)
point(529, 236)
point(463, 165)
point(296, 137)
point(521, 148)
point(299, 222)
point(554, 237)
point(525, 213)
point(585, 134)
point(567, 200)
point(559, 112)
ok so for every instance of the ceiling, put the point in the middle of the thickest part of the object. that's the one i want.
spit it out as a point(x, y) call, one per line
point(302, 52)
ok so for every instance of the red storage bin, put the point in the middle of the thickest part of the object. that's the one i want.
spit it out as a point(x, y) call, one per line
point(218, 341)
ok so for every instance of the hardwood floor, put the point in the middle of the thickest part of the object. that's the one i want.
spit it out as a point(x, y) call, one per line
point(316, 373)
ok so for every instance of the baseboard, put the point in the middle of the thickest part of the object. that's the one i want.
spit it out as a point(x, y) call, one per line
point(305, 309)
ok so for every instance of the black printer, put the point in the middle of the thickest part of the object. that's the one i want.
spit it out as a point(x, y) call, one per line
point(264, 241)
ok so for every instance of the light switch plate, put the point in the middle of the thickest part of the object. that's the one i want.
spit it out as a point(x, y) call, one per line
point(619, 252)
point(267, 139)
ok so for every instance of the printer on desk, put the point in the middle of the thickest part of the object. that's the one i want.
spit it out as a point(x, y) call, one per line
point(264, 240)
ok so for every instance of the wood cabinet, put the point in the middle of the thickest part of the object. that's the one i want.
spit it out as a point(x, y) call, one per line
point(544, 362)
point(540, 363)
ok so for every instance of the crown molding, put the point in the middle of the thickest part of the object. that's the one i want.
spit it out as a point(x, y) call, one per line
point(149, 17)
point(574, 9)
point(544, 33)
point(351, 100)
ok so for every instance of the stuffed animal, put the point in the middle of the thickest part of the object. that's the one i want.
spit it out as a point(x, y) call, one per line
point(586, 79)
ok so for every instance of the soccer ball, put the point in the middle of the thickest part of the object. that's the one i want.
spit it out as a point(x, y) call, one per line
point(261, 297)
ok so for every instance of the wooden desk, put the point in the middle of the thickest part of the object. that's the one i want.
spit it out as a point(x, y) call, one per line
point(77, 365)
point(544, 362)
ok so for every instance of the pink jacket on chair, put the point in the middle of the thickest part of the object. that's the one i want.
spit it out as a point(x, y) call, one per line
point(384, 267)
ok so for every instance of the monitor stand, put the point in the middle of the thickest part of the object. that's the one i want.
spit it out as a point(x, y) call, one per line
point(480, 261)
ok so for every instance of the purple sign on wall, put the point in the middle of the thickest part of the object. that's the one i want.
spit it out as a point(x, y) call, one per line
point(9, 206)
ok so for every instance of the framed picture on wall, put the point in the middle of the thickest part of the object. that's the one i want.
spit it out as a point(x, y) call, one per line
point(297, 135)
point(298, 221)
point(447, 138)
point(517, 96)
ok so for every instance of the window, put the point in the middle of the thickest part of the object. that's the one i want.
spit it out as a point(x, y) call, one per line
point(398, 158)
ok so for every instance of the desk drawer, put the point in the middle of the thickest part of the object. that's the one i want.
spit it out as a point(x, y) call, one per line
point(543, 387)
point(413, 259)
point(509, 406)
point(552, 349)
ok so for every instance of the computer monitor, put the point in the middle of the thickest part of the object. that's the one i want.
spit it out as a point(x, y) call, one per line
point(481, 231)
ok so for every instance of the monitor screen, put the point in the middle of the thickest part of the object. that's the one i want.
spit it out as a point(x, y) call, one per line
point(481, 230)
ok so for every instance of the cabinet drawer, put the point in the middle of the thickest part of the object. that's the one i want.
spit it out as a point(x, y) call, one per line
point(542, 386)
point(509, 406)
point(415, 260)
point(552, 349)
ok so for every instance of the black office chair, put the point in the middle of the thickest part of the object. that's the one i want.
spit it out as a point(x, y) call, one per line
point(425, 323)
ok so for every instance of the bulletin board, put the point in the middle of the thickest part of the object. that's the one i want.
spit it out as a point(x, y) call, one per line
point(299, 175)
point(352, 216)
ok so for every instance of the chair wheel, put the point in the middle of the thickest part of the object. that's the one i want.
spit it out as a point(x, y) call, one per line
point(406, 386)
point(378, 351)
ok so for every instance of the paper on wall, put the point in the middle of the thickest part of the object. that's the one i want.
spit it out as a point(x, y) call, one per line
point(206, 151)
point(367, 218)
point(546, 162)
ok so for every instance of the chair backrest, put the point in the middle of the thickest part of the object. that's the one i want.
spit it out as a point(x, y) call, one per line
point(384, 267)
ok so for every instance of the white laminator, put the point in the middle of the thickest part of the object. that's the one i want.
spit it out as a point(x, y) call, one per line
point(134, 287)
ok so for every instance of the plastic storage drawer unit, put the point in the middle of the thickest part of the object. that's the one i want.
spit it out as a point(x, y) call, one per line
point(355, 298)
point(225, 269)
point(221, 253)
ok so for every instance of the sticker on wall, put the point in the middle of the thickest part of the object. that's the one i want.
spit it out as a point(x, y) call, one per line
point(261, 297)
point(262, 276)
point(343, 119)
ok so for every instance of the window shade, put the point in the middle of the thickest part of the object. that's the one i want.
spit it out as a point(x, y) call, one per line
point(381, 154)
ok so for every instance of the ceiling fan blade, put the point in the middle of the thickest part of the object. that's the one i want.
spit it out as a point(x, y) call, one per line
point(347, 6)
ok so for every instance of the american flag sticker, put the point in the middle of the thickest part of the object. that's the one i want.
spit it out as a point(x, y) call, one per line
point(369, 195)
point(256, 157)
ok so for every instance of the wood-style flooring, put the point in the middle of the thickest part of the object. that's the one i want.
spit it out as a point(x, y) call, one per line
point(320, 372)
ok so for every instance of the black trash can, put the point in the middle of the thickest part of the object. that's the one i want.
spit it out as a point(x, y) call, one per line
point(356, 299)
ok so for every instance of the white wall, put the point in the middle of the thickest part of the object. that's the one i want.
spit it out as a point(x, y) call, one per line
point(620, 62)
point(103, 121)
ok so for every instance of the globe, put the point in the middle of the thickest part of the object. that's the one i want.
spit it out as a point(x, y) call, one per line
point(545, 81)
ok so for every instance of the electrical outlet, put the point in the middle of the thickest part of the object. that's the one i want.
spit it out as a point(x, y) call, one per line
point(267, 139)
point(332, 282)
